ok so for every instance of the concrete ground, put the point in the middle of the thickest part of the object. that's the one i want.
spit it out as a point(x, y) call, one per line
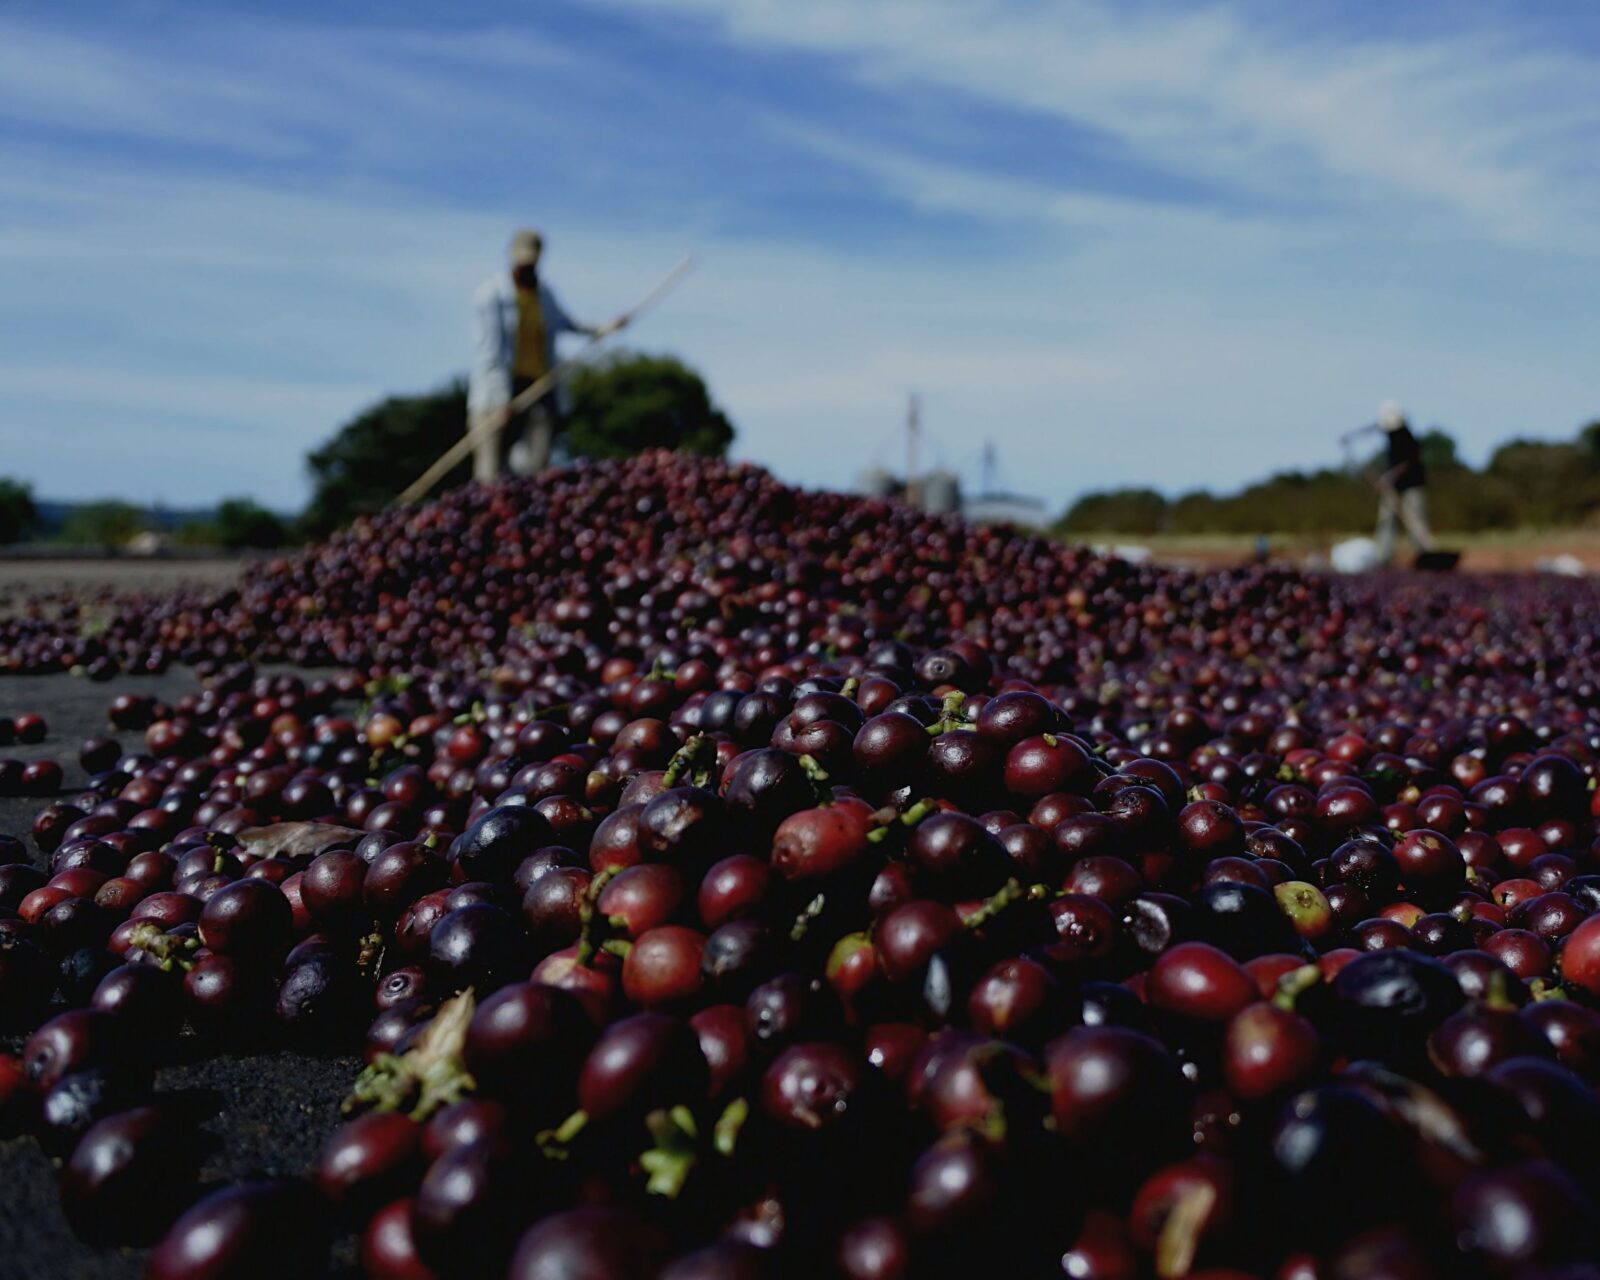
point(23, 577)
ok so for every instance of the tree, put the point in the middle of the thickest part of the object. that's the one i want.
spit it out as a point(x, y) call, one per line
point(243, 523)
point(1116, 511)
point(1589, 438)
point(1557, 483)
point(107, 524)
point(18, 515)
point(1438, 450)
point(379, 452)
point(631, 402)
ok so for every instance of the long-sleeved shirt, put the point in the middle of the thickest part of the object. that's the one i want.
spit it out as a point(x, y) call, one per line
point(494, 339)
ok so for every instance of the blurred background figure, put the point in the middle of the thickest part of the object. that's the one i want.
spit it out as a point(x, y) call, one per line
point(1402, 492)
point(516, 319)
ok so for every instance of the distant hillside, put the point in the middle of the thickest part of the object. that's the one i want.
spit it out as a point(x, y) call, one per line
point(235, 524)
point(1526, 484)
point(53, 517)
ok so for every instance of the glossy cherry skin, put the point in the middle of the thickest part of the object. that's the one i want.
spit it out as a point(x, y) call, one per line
point(466, 1214)
point(369, 1159)
point(128, 1176)
point(145, 995)
point(816, 844)
point(1194, 980)
point(248, 918)
point(1523, 1212)
point(1038, 765)
point(1579, 958)
point(909, 935)
point(1429, 863)
point(642, 1062)
point(1267, 1050)
point(724, 1260)
point(814, 1086)
point(595, 1242)
point(252, 1231)
point(1573, 1031)
point(724, 1044)
point(737, 887)
point(663, 968)
point(1107, 1081)
point(1018, 1000)
point(388, 1247)
point(479, 946)
point(77, 1040)
point(526, 1040)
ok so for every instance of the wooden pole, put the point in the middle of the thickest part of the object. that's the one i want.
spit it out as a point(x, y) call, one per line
point(913, 430)
point(496, 419)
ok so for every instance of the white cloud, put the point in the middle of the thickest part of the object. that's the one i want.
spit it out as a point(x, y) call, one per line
point(1463, 123)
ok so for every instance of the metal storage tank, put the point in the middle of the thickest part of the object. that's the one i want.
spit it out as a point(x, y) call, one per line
point(940, 493)
point(876, 482)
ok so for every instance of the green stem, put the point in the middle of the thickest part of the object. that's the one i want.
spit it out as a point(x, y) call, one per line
point(695, 761)
point(1497, 993)
point(917, 812)
point(168, 951)
point(725, 1134)
point(887, 819)
point(1294, 984)
point(670, 1162)
point(817, 776)
point(553, 1143)
point(802, 922)
point(589, 917)
point(1012, 891)
point(950, 717)
point(430, 1075)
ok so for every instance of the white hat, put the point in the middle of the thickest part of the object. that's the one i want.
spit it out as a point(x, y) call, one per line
point(526, 246)
point(1391, 417)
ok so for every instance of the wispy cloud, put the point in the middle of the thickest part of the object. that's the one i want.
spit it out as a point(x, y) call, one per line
point(53, 79)
point(1476, 124)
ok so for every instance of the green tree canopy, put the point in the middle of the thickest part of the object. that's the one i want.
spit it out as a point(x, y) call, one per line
point(18, 515)
point(380, 451)
point(1556, 483)
point(1438, 449)
point(1117, 511)
point(631, 402)
point(109, 524)
point(242, 523)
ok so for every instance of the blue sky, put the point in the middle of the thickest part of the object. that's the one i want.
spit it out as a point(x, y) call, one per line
point(1128, 242)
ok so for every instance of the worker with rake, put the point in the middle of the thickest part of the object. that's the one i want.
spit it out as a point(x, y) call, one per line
point(1402, 491)
point(516, 319)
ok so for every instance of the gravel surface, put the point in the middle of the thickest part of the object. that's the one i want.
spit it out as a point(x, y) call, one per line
point(265, 1113)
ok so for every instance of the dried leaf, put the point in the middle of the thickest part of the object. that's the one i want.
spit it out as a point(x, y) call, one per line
point(296, 839)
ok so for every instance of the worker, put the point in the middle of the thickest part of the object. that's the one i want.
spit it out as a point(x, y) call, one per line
point(1402, 485)
point(516, 320)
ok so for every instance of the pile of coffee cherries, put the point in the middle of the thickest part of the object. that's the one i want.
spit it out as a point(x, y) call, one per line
point(913, 900)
